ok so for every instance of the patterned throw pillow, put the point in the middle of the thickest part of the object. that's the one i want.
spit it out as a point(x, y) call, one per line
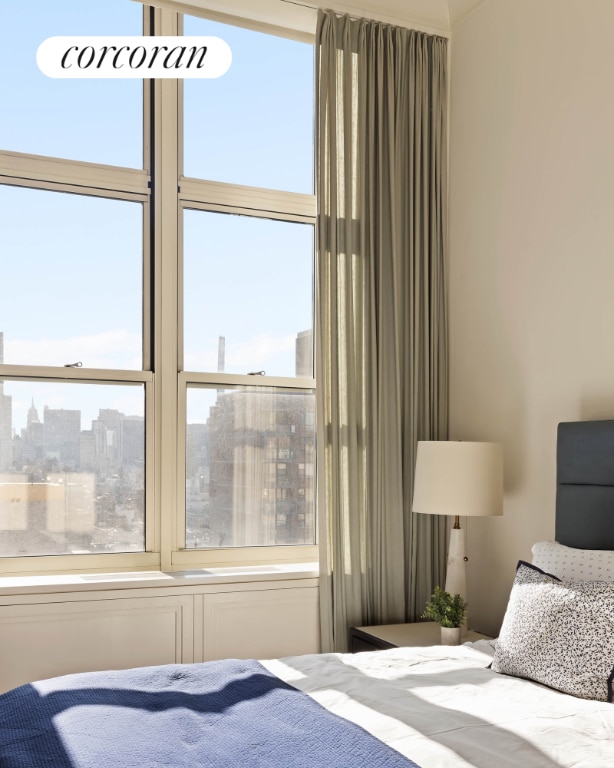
point(574, 564)
point(559, 633)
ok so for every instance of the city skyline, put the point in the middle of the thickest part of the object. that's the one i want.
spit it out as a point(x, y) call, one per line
point(61, 395)
point(64, 489)
point(249, 481)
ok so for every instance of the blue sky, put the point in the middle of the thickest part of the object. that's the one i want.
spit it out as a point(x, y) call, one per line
point(71, 265)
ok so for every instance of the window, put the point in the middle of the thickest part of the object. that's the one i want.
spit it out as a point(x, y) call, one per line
point(72, 289)
point(239, 268)
point(157, 402)
point(75, 119)
point(258, 117)
point(72, 472)
point(247, 299)
point(234, 483)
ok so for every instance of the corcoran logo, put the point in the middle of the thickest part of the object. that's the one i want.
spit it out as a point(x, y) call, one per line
point(151, 57)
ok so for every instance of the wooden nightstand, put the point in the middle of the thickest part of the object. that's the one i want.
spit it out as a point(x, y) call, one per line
point(420, 633)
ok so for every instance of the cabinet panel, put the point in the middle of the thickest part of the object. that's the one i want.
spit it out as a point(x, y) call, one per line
point(261, 624)
point(44, 640)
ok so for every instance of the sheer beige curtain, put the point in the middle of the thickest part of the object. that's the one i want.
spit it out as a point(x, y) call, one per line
point(381, 316)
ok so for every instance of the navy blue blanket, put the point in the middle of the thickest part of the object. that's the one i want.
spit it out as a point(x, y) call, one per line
point(224, 714)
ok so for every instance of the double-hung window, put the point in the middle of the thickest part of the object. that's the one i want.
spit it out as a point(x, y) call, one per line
point(157, 404)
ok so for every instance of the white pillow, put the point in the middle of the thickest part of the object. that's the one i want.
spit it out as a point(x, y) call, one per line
point(573, 564)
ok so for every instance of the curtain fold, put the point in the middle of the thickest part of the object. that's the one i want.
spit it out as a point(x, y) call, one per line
point(381, 333)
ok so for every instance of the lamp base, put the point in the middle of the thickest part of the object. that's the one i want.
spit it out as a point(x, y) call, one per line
point(456, 578)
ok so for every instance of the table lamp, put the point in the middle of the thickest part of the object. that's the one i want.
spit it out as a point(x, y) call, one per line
point(459, 479)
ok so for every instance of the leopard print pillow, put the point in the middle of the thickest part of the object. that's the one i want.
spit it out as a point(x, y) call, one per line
point(559, 633)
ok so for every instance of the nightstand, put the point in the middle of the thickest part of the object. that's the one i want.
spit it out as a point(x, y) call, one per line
point(421, 633)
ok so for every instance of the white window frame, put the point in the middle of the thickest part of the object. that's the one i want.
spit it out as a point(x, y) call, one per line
point(165, 194)
point(93, 180)
point(214, 196)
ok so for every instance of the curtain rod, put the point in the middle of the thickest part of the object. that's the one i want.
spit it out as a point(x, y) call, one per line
point(303, 5)
point(418, 26)
point(318, 7)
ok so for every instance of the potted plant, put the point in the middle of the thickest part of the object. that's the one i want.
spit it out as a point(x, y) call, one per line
point(449, 611)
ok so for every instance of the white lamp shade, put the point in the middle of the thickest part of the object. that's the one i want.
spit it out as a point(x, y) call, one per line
point(458, 478)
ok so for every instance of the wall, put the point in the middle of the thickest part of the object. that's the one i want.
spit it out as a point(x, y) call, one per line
point(531, 256)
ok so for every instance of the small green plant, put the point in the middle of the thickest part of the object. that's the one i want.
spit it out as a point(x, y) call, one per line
point(446, 610)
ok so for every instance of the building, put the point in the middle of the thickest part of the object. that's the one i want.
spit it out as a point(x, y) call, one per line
point(251, 468)
point(6, 420)
point(62, 436)
point(262, 459)
point(304, 353)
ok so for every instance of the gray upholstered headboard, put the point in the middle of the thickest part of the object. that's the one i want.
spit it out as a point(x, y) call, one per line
point(585, 484)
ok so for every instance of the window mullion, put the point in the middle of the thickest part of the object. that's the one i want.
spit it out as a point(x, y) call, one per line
point(165, 174)
point(259, 201)
point(79, 174)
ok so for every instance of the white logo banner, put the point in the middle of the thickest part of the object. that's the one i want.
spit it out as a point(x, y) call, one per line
point(133, 56)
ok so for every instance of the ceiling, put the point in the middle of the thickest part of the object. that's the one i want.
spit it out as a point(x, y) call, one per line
point(436, 16)
point(438, 12)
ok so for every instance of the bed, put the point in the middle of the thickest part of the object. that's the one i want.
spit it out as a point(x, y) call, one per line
point(525, 700)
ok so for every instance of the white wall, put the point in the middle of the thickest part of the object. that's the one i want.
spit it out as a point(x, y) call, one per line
point(531, 256)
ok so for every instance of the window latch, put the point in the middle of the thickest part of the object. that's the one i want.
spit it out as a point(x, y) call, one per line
point(74, 365)
point(256, 373)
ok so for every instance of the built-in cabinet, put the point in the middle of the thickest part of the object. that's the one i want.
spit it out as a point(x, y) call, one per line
point(260, 623)
point(49, 633)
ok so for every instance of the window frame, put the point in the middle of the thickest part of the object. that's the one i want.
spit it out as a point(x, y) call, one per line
point(164, 193)
point(258, 202)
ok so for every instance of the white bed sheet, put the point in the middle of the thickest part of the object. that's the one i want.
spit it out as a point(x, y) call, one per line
point(443, 708)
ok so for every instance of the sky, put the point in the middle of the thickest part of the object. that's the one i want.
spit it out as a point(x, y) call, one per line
point(71, 265)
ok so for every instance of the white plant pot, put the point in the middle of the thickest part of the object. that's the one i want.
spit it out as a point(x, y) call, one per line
point(450, 635)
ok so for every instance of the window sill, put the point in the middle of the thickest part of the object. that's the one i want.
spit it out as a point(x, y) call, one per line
point(86, 582)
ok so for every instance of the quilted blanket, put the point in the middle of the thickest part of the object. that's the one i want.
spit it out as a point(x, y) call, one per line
point(226, 714)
